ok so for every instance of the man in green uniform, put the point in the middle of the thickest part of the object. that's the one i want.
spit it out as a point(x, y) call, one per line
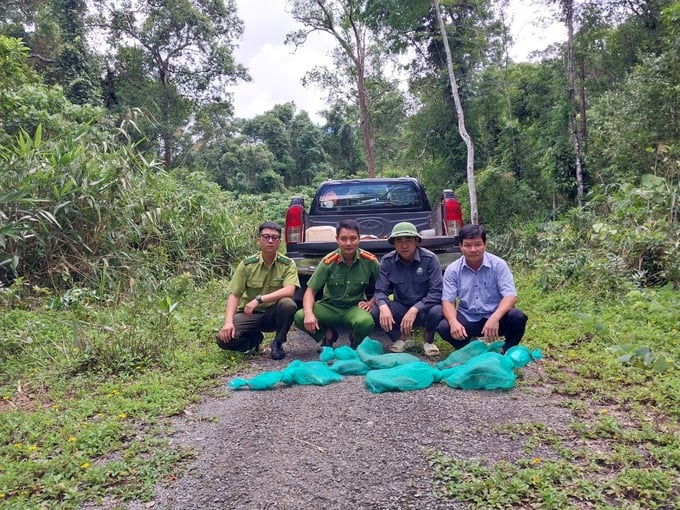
point(347, 276)
point(261, 297)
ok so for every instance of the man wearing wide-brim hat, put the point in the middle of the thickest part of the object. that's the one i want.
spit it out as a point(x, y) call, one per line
point(413, 276)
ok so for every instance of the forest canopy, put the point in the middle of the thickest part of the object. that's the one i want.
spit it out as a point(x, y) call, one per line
point(115, 154)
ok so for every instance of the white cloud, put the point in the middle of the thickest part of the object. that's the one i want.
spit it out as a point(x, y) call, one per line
point(277, 69)
point(533, 27)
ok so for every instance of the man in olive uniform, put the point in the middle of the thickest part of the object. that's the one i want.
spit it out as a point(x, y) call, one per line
point(347, 276)
point(261, 297)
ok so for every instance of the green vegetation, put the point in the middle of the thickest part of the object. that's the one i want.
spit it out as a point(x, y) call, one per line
point(621, 447)
point(88, 387)
point(128, 192)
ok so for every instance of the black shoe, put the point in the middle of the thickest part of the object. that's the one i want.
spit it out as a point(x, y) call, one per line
point(277, 350)
point(353, 343)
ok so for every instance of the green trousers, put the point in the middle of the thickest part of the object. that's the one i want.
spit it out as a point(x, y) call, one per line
point(358, 320)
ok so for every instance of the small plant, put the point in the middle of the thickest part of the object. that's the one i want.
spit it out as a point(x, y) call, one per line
point(643, 356)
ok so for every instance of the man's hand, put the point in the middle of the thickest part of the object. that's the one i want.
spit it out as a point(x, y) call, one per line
point(310, 322)
point(408, 320)
point(386, 318)
point(364, 305)
point(491, 329)
point(458, 331)
point(250, 307)
point(227, 331)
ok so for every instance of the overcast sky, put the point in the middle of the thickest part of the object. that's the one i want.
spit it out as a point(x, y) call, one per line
point(277, 70)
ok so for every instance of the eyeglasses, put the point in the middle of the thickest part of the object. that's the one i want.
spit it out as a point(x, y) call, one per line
point(268, 237)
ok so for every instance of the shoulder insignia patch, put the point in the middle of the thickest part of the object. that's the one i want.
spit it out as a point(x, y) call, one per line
point(333, 257)
point(367, 255)
point(284, 260)
point(252, 259)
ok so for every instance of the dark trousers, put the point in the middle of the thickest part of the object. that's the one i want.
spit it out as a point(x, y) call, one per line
point(429, 318)
point(278, 317)
point(511, 326)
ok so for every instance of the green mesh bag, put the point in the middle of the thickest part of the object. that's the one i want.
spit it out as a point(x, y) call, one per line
point(487, 371)
point(369, 347)
point(464, 354)
point(371, 353)
point(521, 356)
point(344, 352)
point(496, 346)
point(350, 367)
point(411, 376)
point(316, 373)
point(264, 381)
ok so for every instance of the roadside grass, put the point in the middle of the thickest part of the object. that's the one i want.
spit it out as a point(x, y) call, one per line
point(88, 389)
point(622, 447)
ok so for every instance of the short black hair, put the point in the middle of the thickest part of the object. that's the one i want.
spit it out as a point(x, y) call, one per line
point(349, 225)
point(471, 231)
point(269, 224)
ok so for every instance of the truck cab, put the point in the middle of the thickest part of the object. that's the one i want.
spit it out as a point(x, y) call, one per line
point(376, 204)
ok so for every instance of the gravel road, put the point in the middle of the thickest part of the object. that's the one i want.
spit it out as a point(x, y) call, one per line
point(340, 446)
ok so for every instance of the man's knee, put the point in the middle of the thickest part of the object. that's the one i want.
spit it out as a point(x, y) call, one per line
point(516, 318)
point(286, 306)
point(221, 343)
point(444, 330)
point(363, 324)
point(375, 314)
point(241, 342)
point(433, 316)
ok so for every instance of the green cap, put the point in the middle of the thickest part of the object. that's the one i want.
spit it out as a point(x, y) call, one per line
point(404, 229)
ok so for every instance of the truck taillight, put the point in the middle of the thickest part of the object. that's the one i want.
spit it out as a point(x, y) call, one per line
point(453, 215)
point(295, 220)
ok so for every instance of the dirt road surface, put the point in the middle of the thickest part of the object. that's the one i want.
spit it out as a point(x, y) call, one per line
point(340, 446)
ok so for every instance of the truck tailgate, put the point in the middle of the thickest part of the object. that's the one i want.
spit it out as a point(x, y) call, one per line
point(374, 223)
point(437, 244)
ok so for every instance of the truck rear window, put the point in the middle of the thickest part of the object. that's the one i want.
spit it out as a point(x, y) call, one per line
point(366, 196)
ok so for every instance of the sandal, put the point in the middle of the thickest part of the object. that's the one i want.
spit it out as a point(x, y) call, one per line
point(430, 349)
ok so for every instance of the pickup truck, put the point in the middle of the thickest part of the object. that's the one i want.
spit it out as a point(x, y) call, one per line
point(377, 204)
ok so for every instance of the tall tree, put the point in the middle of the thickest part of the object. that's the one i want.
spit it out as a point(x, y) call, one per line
point(474, 215)
point(387, 101)
point(55, 32)
point(341, 141)
point(73, 64)
point(342, 19)
point(185, 47)
point(568, 12)
point(452, 42)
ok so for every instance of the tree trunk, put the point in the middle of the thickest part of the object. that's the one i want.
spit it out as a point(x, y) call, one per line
point(474, 213)
point(573, 107)
point(342, 20)
point(583, 124)
point(166, 135)
point(365, 117)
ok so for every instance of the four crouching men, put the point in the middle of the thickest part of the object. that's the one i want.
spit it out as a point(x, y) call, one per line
point(475, 298)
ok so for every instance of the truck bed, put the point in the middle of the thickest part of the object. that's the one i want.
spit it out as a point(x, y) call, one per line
point(378, 224)
point(439, 244)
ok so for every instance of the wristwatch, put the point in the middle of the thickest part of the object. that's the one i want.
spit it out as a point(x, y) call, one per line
point(258, 298)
